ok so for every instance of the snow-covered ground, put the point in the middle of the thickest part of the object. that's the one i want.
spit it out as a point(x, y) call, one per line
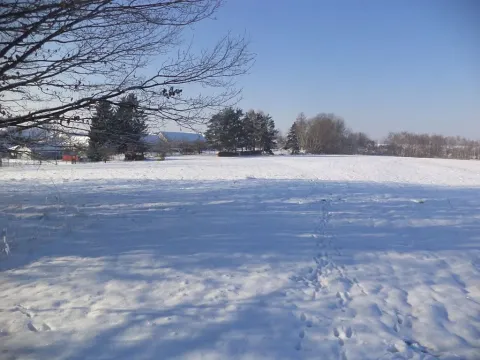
point(250, 258)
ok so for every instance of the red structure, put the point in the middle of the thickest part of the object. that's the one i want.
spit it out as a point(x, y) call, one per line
point(72, 158)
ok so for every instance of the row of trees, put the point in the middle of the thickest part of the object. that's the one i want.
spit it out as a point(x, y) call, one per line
point(431, 146)
point(233, 130)
point(117, 130)
point(325, 134)
point(328, 134)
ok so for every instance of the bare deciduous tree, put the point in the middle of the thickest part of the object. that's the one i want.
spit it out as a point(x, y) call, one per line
point(322, 134)
point(301, 128)
point(59, 57)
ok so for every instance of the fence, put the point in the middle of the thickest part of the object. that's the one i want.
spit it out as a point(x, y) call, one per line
point(20, 162)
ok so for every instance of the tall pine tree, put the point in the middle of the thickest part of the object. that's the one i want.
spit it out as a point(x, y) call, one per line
point(292, 140)
point(130, 127)
point(269, 136)
point(100, 140)
point(250, 131)
point(214, 130)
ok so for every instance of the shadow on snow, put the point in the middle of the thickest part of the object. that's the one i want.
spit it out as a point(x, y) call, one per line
point(197, 226)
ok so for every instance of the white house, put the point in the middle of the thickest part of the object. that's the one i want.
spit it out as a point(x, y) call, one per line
point(20, 152)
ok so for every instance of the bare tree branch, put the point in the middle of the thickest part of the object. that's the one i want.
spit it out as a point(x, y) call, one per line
point(60, 57)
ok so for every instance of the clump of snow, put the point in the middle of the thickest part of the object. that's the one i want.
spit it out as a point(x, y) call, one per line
point(6, 245)
point(259, 258)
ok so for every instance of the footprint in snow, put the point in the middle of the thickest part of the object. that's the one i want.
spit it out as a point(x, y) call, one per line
point(302, 333)
point(336, 333)
point(38, 328)
point(343, 334)
point(303, 317)
point(32, 327)
point(396, 327)
point(417, 347)
point(343, 298)
point(402, 321)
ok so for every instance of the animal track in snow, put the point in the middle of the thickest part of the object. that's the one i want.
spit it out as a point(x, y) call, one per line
point(348, 332)
point(35, 327)
point(23, 310)
point(343, 334)
point(393, 349)
point(327, 277)
point(306, 323)
point(343, 298)
point(402, 321)
point(303, 317)
point(32, 325)
point(301, 333)
point(396, 327)
point(339, 336)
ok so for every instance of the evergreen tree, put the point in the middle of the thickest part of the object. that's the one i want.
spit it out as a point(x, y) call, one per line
point(292, 140)
point(214, 129)
point(250, 131)
point(269, 135)
point(100, 137)
point(129, 127)
point(233, 129)
point(266, 132)
point(225, 130)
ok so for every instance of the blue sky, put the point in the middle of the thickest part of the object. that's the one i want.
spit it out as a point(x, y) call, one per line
point(383, 66)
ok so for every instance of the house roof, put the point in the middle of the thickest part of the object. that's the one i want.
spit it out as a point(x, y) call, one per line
point(151, 139)
point(181, 136)
point(19, 148)
point(32, 133)
point(171, 136)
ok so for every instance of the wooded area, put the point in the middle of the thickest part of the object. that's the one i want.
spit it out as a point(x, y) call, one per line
point(329, 134)
point(232, 130)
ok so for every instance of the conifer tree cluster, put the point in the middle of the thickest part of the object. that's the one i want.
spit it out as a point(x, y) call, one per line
point(233, 130)
point(117, 130)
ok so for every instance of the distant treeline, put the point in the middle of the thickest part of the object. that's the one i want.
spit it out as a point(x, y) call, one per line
point(329, 134)
point(431, 146)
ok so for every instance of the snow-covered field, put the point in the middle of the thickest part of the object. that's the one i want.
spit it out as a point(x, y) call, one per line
point(256, 258)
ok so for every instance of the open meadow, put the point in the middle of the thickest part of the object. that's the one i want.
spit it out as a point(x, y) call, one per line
point(199, 257)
